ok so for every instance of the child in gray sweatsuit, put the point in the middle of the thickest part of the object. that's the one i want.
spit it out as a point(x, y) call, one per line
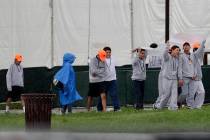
point(98, 71)
point(15, 82)
point(199, 92)
point(139, 76)
point(170, 75)
point(187, 66)
point(160, 85)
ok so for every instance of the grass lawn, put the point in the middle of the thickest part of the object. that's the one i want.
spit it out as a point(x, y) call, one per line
point(128, 120)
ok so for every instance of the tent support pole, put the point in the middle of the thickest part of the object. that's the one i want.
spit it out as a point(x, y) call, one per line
point(167, 19)
point(52, 32)
point(131, 25)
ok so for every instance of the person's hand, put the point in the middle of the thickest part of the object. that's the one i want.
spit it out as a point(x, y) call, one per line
point(181, 83)
point(136, 50)
point(94, 75)
point(168, 44)
point(203, 43)
point(193, 78)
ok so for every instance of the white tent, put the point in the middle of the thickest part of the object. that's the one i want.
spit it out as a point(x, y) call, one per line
point(43, 30)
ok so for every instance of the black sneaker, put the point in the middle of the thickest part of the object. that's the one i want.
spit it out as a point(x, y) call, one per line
point(117, 110)
point(154, 107)
point(63, 111)
point(179, 105)
point(139, 108)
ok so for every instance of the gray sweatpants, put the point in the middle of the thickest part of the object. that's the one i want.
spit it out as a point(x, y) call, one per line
point(169, 94)
point(187, 92)
point(160, 88)
point(199, 93)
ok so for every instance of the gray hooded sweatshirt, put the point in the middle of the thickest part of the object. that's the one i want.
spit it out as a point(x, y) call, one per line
point(139, 68)
point(14, 76)
point(98, 70)
point(171, 64)
point(187, 63)
point(198, 62)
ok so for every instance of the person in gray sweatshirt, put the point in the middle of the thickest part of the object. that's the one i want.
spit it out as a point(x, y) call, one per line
point(169, 80)
point(139, 77)
point(199, 91)
point(160, 85)
point(15, 82)
point(160, 81)
point(187, 80)
point(97, 74)
point(110, 81)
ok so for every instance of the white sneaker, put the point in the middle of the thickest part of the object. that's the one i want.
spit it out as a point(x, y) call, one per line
point(117, 110)
point(109, 109)
point(7, 109)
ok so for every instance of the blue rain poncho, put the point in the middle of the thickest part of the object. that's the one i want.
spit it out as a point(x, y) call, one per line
point(66, 76)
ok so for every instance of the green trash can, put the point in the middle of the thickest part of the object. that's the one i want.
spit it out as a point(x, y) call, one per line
point(38, 110)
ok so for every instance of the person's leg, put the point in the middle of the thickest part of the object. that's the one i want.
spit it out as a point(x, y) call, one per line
point(20, 90)
point(63, 109)
point(200, 95)
point(89, 102)
point(23, 103)
point(141, 96)
point(166, 93)
point(173, 96)
point(179, 93)
point(160, 88)
point(185, 91)
point(69, 108)
point(17, 91)
point(112, 91)
point(99, 104)
point(103, 99)
point(136, 90)
point(191, 94)
point(91, 93)
point(8, 102)
point(10, 96)
point(104, 88)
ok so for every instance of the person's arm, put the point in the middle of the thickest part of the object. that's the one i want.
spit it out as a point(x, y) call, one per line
point(180, 78)
point(9, 79)
point(95, 69)
point(199, 53)
point(166, 54)
point(23, 76)
point(135, 50)
point(134, 62)
point(146, 54)
point(63, 74)
point(58, 84)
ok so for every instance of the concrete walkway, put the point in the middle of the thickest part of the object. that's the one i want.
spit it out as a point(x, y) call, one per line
point(101, 136)
point(74, 110)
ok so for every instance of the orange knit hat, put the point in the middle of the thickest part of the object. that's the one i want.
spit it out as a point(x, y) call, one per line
point(19, 57)
point(102, 55)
